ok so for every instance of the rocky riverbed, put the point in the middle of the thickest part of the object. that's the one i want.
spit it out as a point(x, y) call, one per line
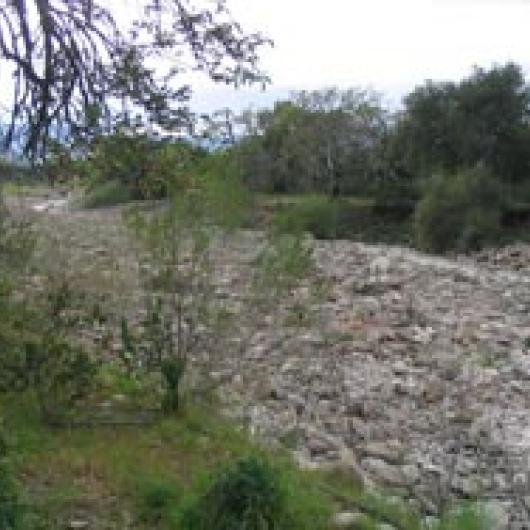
point(414, 373)
point(418, 380)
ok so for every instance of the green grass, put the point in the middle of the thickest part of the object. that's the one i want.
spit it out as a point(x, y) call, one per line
point(354, 218)
point(385, 218)
point(284, 200)
point(27, 189)
point(150, 471)
point(105, 194)
point(158, 473)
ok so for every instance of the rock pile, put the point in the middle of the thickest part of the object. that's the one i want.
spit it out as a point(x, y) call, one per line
point(420, 371)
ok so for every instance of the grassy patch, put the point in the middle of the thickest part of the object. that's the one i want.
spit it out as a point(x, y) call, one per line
point(26, 188)
point(151, 473)
point(178, 473)
point(106, 194)
point(355, 218)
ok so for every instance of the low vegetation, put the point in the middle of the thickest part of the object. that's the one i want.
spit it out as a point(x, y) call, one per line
point(110, 416)
point(108, 461)
point(375, 178)
point(190, 471)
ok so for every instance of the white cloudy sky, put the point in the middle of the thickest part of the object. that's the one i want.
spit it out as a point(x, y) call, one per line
point(390, 45)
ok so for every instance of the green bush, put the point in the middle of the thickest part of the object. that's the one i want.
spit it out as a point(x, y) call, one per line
point(247, 496)
point(157, 498)
point(109, 193)
point(349, 218)
point(282, 264)
point(37, 355)
point(318, 215)
point(460, 212)
point(17, 240)
point(470, 517)
point(395, 200)
point(143, 166)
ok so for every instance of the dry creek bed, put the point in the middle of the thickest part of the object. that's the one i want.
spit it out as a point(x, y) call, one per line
point(416, 378)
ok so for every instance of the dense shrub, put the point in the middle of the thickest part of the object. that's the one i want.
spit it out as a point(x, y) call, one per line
point(172, 372)
point(17, 240)
point(516, 215)
point(36, 355)
point(480, 119)
point(256, 494)
point(157, 499)
point(247, 496)
point(460, 212)
point(348, 218)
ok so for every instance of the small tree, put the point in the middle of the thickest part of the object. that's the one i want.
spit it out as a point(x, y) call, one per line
point(175, 255)
point(180, 243)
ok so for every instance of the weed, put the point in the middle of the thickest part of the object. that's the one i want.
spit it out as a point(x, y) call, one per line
point(157, 497)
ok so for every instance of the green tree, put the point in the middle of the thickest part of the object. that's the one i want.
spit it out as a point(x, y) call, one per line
point(482, 119)
point(323, 141)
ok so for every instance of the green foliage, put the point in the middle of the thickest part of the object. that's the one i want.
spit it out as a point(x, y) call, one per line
point(324, 141)
point(395, 199)
point(342, 217)
point(11, 510)
point(175, 253)
point(61, 373)
point(459, 212)
point(124, 166)
point(246, 496)
point(483, 118)
point(343, 143)
point(256, 493)
point(108, 193)
point(157, 498)
point(17, 239)
point(282, 264)
point(172, 371)
point(464, 518)
point(38, 355)
point(318, 215)
point(224, 195)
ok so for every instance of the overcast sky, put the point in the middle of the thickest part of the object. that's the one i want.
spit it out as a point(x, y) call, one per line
point(390, 45)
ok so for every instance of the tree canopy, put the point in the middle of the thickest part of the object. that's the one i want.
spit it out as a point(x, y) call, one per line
point(482, 119)
point(322, 140)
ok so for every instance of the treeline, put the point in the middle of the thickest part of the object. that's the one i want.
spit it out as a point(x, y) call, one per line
point(454, 161)
point(449, 170)
point(341, 142)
